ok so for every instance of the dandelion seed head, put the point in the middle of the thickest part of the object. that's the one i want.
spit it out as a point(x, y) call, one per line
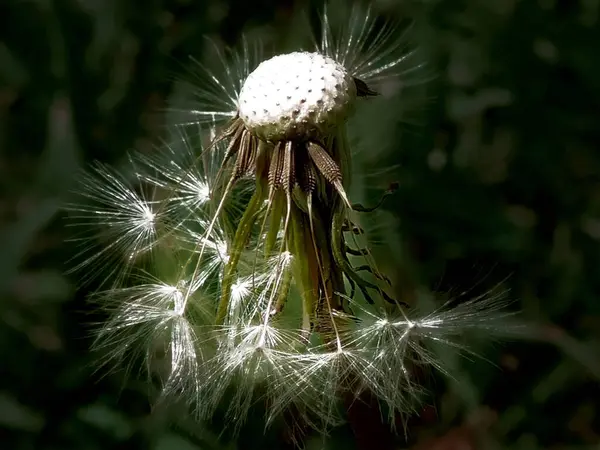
point(254, 291)
point(295, 95)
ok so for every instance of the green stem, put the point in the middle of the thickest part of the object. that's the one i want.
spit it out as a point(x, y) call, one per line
point(277, 212)
point(284, 289)
point(239, 242)
point(304, 265)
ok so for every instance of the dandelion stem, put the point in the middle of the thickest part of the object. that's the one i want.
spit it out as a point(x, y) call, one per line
point(274, 222)
point(286, 282)
point(239, 242)
point(305, 268)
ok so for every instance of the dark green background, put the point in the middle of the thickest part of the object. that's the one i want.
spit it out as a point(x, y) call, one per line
point(499, 180)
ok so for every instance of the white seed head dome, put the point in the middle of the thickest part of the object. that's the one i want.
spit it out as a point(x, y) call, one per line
point(296, 95)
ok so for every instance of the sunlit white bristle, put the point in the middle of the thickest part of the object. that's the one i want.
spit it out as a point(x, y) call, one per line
point(375, 50)
point(120, 223)
point(152, 314)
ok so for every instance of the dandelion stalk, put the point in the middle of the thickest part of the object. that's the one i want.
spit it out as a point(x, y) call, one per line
point(242, 235)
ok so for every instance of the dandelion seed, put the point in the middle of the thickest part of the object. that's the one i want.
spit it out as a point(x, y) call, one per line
point(255, 362)
point(124, 220)
point(186, 171)
point(148, 315)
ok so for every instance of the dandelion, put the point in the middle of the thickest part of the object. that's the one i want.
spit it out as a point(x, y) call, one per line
point(235, 251)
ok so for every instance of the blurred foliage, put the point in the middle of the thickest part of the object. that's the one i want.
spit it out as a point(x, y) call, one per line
point(499, 183)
